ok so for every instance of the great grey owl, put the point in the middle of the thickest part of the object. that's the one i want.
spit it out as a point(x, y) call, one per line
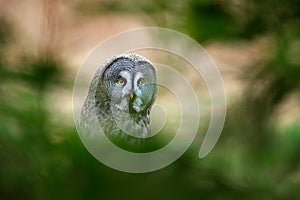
point(121, 95)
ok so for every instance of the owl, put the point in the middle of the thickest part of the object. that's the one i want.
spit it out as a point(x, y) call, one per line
point(120, 97)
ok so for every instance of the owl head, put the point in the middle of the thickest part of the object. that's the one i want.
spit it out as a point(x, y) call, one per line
point(126, 91)
point(130, 83)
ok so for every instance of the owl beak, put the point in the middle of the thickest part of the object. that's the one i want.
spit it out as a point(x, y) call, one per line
point(131, 95)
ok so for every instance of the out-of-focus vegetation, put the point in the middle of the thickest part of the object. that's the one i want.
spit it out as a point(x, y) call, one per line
point(254, 159)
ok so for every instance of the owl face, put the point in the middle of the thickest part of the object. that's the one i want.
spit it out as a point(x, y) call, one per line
point(131, 86)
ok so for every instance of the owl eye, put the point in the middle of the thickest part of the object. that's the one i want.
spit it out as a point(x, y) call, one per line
point(140, 81)
point(121, 81)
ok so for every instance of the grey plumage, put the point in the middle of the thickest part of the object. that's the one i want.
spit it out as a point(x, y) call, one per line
point(120, 98)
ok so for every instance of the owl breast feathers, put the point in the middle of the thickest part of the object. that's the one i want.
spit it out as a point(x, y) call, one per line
point(120, 98)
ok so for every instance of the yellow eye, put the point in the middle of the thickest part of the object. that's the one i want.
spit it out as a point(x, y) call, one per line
point(120, 81)
point(140, 81)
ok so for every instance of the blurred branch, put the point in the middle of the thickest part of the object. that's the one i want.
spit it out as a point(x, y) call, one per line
point(49, 27)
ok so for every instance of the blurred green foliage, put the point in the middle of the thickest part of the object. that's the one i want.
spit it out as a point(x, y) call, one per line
point(252, 160)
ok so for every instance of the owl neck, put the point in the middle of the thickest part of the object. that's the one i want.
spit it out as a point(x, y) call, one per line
point(134, 124)
point(115, 121)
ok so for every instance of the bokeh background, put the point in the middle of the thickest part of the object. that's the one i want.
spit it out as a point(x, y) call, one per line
point(256, 45)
